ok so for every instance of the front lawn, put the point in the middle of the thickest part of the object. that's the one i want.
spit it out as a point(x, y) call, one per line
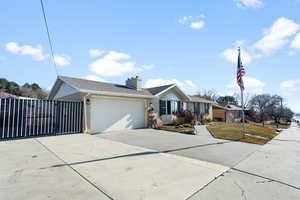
point(232, 131)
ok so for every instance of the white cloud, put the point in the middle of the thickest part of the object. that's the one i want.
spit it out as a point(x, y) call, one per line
point(193, 22)
point(231, 55)
point(187, 85)
point(296, 42)
point(251, 84)
point(183, 19)
point(94, 78)
point(248, 3)
point(62, 60)
point(197, 24)
point(113, 55)
point(35, 52)
point(274, 39)
point(190, 84)
point(290, 86)
point(292, 53)
point(96, 52)
point(113, 64)
point(277, 35)
point(106, 67)
point(147, 67)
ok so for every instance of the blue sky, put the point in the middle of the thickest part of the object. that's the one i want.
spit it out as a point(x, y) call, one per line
point(191, 43)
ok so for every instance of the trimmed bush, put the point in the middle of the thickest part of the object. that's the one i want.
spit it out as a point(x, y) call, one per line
point(183, 117)
point(206, 120)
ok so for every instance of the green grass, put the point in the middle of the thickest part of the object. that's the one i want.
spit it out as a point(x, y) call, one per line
point(233, 131)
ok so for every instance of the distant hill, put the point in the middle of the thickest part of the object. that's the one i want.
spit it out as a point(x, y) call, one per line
point(27, 90)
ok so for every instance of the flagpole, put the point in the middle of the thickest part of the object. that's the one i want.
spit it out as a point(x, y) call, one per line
point(242, 104)
point(243, 112)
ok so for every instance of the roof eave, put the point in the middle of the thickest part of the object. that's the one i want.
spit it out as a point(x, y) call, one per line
point(173, 86)
point(117, 94)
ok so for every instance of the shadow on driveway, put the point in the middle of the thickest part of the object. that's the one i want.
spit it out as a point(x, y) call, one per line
point(137, 154)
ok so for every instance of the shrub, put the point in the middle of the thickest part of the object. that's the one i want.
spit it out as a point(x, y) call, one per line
point(185, 116)
point(206, 120)
point(178, 120)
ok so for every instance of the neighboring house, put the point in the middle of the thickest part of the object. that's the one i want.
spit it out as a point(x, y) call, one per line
point(201, 108)
point(7, 95)
point(12, 96)
point(227, 113)
point(110, 107)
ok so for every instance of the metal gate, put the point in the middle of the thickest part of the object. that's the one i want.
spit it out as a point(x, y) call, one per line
point(26, 118)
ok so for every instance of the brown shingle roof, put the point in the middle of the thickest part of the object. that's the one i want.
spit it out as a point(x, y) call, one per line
point(83, 84)
point(229, 107)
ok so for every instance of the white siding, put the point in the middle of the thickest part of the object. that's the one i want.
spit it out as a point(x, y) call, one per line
point(170, 95)
point(64, 90)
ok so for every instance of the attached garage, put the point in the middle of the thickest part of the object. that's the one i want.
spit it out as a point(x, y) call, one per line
point(106, 106)
point(111, 114)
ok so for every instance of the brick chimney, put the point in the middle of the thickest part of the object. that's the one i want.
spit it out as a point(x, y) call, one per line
point(134, 83)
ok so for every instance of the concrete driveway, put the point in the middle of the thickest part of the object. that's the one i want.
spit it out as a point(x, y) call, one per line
point(269, 172)
point(149, 164)
point(87, 167)
point(200, 147)
point(26, 173)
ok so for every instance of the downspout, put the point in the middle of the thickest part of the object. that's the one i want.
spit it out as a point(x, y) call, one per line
point(85, 113)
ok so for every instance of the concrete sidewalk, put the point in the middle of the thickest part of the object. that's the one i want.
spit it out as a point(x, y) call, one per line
point(272, 172)
point(278, 160)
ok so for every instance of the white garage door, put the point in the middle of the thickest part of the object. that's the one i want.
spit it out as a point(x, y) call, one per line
point(116, 114)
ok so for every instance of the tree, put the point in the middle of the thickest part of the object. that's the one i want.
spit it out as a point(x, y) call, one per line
point(27, 90)
point(275, 109)
point(27, 85)
point(35, 86)
point(34, 93)
point(224, 100)
point(3, 83)
point(13, 88)
point(262, 104)
point(209, 95)
point(287, 114)
point(247, 98)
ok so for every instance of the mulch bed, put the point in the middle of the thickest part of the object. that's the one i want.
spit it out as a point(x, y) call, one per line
point(186, 129)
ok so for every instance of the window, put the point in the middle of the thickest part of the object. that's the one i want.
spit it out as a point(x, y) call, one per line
point(169, 107)
point(239, 114)
point(174, 107)
point(162, 107)
point(179, 106)
point(184, 106)
point(206, 108)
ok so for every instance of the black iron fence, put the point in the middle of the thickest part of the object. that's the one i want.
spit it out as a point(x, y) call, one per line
point(26, 118)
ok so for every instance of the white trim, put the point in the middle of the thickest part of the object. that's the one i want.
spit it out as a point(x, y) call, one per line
point(118, 94)
point(171, 87)
point(105, 93)
point(69, 84)
point(165, 90)
point(85, 113)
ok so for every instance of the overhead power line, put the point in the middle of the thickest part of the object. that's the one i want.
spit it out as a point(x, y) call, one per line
point(49, 38)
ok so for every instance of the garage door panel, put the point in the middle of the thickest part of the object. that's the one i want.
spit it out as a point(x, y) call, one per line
point(115, 114)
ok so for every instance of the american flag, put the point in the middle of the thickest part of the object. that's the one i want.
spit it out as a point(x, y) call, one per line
point(240, 72)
